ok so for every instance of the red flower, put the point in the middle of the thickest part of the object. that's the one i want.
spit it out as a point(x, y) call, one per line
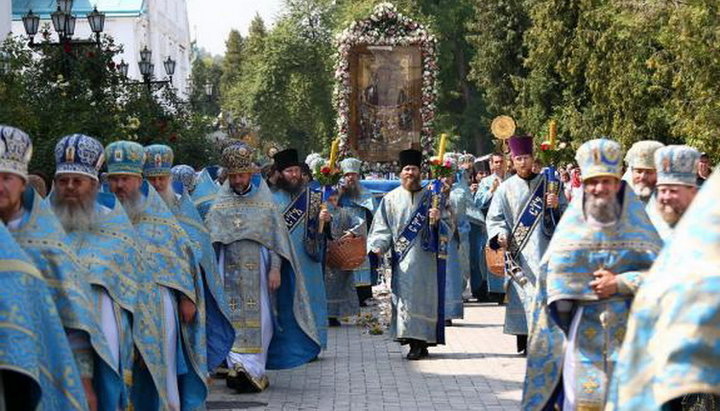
point(325, 170)
point(545, 146)
point(67, 47)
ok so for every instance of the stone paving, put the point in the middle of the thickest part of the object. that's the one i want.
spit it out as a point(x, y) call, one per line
point(478, 369)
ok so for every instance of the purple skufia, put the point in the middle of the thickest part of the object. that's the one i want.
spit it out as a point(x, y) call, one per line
point(521, 145)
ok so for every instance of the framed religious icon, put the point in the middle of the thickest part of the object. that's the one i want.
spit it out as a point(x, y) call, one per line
point(386, 89)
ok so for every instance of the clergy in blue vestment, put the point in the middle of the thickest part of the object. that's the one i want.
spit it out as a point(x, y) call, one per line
point(458, 261)
point(185, 175)
point(40, 234)
point(404, 225)
point(478, 284)
point(219, 330)
point(103, 238)
point(521, 220)
point(204, 194)
point(669, 358)
point(360, 202)
point(174, 296)
point(482, 199)
point(675, 189)
point(593, 267)
point(340, 284)
point(269, 305)
point(37, 368)
point(300, 205)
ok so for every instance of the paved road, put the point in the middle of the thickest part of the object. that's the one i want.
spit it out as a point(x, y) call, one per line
point(478, 369)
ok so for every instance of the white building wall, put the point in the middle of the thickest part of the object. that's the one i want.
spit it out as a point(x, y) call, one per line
point(5, 18)
point(164, 28)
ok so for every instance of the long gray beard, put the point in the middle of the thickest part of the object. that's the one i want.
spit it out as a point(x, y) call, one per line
point(168, 195)
point(643, 192)
point(76, 217)
point(133, 207)
point(604, 211)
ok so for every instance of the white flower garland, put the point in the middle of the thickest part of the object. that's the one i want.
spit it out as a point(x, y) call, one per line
point(387, 27)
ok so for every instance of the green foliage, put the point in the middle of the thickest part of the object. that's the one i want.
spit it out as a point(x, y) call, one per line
point(628, 70)
point(55, 91)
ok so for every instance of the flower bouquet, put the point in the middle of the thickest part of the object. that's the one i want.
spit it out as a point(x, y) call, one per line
point(441, 169)
point(326, 174)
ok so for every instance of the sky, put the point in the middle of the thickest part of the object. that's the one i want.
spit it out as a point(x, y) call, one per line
point(212, 20)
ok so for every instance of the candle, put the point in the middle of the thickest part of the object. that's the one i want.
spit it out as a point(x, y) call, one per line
point(553, 133)
point(334, 152)
point(441, 150)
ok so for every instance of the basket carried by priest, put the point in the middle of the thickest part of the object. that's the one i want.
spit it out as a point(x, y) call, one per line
point(495, 261)
point(347, 253)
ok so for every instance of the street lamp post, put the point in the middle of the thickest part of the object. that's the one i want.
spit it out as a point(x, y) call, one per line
point(147, 69)
point(63, 22)
point(209, 90)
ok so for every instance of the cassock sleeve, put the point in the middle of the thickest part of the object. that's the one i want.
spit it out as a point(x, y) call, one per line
point(629, 283)
point(496, 223)
point(484, 196)
point(380, 236)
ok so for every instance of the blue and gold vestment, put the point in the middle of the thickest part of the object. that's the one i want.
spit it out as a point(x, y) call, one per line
point(578, 249)
point(309, 246)
point(169, 254)
point(44, 240)
point(220, 333)
point(672, 344)
point(38, 369)
point(244, 224)
point(205, 192)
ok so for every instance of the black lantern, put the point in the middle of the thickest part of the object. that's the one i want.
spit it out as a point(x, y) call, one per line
point(169, 66)
point(208, 89)
point(65, 5)
point(70, 21)
point(59, 19)
point(31, 22)
point(97, 22)
point(123, 68)
point(145, 54)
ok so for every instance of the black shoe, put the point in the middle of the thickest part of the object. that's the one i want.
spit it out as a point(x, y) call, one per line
point(334, 322)
point(415, 353)
point(424, 352)
point(448, 323)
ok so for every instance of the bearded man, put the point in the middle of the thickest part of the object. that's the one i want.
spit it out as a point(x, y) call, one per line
point(641, 173)
point(269, 305)
point(676, 186)
point(359, 202)
point(521, 220)
point(179, 369)
point(402, 225)
point(669, 359)
point(158, 172)
point(300, 206)
point(590, 272)
point(36, 229)
point(103, 238)
point(32, 336)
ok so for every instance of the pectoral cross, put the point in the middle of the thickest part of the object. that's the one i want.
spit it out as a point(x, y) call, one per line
point(237, 222)
point(233, 303)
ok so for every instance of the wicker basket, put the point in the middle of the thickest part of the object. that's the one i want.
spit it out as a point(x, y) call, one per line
point(495, 260)
point(347, 253)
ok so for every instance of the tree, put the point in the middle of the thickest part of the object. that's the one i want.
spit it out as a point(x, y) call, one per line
point(232, 61)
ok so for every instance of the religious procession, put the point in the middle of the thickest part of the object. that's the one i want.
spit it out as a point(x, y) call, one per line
point(410, 258)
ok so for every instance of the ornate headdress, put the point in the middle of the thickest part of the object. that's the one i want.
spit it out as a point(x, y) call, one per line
point(600, 157)
point(642, 154)
point(186, 175)
point(158, 160)
point(351, 165)
point(677, 165)
point(125, 157)
point(79, 154)
point(15, 151)
point(238, 158)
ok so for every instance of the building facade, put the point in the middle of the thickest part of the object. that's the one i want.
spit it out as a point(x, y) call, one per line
point(5, 18)
point(161, 25)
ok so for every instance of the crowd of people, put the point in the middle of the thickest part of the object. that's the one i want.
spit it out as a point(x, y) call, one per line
point(134, 280)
